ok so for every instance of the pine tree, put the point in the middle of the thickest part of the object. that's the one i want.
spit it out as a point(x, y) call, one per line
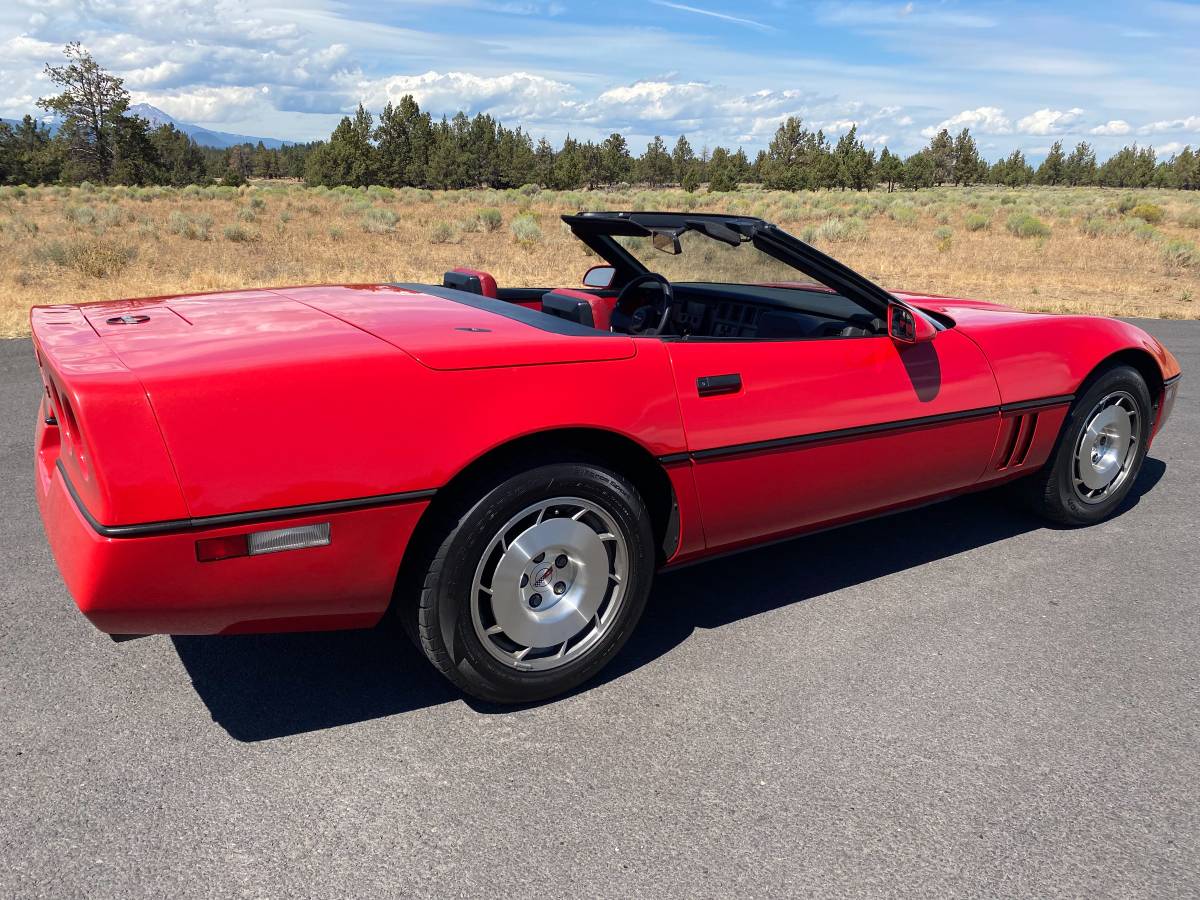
point(28, 155)
point(682, 158)
point(855, 164)
point(1080, 167)
point(615, 161)
point(890, 169)
point(919, 170)
point(654, 167)
point(968, 167)
point(941, 156)
point(1053, 169)
point(92, 106)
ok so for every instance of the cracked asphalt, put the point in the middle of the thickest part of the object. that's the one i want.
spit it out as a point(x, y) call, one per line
point(954, 701)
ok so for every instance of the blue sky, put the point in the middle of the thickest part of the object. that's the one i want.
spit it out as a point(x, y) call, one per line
point(1019, 74)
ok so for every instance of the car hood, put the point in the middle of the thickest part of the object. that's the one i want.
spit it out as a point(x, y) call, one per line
point(327, 323)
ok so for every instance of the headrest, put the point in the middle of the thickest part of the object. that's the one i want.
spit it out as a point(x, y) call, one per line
point(471, 280)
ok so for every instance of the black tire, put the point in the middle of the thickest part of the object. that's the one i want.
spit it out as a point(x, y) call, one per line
point(1052, 492)
point(445, 627)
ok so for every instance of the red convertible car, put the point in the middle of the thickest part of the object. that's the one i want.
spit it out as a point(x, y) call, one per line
point(504, 469)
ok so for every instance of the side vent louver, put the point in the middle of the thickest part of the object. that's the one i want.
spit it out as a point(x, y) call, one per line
point(1017, 440)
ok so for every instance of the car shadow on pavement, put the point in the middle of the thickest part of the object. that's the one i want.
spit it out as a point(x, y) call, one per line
point(259, 687)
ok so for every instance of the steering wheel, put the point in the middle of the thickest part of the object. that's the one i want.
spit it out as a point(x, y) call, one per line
point(647, 319)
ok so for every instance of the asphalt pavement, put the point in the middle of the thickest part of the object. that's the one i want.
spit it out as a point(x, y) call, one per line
point(954, 701)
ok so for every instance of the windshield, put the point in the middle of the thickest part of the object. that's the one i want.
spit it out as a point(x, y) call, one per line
point(705, 259)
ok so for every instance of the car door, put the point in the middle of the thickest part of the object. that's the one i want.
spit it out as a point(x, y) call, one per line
point(787, 435)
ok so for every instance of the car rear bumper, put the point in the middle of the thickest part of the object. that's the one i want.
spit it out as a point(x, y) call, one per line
point(154, 584)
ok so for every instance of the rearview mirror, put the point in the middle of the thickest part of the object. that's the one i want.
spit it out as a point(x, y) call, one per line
point(666, 241)
point(907, 327)
point(599, 276)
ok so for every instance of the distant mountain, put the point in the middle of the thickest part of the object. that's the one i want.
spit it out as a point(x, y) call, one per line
point(155, 116)
point(202, 136)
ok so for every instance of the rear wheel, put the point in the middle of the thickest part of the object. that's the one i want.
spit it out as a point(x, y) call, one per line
point(538, 583)
point(1099, 451)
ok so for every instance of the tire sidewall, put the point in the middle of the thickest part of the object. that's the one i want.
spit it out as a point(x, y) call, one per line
point(487, 676)
point(1122, 378)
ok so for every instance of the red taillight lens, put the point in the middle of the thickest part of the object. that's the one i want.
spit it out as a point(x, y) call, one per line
point(212, 549)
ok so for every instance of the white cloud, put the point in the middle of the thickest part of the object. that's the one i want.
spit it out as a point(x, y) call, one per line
point(205, 104)
point(513, 96)
point(983, 119)
point(1169, 149)
point(1050, 121)
point(1189, 123)
point(653, 101)
point(1112, 127)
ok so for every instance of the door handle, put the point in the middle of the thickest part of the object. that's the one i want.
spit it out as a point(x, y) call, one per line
point(712, 385)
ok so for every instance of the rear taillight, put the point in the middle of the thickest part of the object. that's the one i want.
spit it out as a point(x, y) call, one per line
point(258, 543)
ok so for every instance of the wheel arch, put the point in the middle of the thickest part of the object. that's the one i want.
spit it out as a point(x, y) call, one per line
point(1141, 360)
point(577, 444)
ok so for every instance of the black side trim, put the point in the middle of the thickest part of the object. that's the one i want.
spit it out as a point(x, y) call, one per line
point(844, 433)
point(672, 459)
point(1041, 403)
point(517, 313)
point(243, 518)
point(1167, 382)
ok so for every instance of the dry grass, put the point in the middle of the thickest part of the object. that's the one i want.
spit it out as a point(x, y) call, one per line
point(67, 245)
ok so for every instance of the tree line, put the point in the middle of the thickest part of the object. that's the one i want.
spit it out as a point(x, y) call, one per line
point(405, 146)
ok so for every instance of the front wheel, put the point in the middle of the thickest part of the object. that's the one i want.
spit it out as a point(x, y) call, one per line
point(538, 584)
point(1099, 451)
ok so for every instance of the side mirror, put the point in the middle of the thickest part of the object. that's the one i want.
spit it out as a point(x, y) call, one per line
point(599, 277)
point(906, 327)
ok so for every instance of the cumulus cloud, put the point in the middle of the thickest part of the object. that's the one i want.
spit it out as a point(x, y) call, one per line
point(983, 119)
point(204, 104)
point(1050, 121)
point(516, 95)
point(1189, 123)
point(1112, 127)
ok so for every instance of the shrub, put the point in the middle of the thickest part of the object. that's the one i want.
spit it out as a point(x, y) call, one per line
point(1180, 254)
point(257, 202)
point(379, 221)
point(246, 214)
point(1190, 218)
point(94, 257)
point(1148, 213)
point(81, 215)
point(903, 214)
point(944, 236)
point(99, 258)
point(1145, 232)
point(193, 228)
point(239, 234)
point(336, 233)
point(525, 230)
point(1026, 225)
point(442, 233)
point(1126, 203)
point(976, 222)
point(838, 231)
point(1093, 227)
point(285, 217)
point(490, 218)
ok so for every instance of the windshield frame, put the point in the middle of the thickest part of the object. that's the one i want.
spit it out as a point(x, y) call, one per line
point(600, 230)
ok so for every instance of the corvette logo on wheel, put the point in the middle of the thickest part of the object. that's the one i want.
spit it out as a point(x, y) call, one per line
point(543, 577)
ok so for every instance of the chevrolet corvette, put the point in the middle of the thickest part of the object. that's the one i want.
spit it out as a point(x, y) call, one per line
point(504, 469)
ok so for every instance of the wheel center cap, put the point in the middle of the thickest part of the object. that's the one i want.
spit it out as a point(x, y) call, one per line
point(543, 576)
